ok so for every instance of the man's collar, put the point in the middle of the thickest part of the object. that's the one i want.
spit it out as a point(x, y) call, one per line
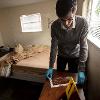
point(74, 23)
point(73, 26)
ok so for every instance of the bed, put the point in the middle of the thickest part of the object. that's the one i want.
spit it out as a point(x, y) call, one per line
point(31, 63)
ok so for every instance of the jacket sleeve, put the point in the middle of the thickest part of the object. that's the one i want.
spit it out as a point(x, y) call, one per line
point(83, 45)
point(54, 44)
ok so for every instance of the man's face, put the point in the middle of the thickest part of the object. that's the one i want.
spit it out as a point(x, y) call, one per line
point(68, 20)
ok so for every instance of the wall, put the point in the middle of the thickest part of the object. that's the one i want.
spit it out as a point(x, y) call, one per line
point(10, 23)
point(1, 40)
point(79, 7)
point(86, 7)
point(93, 72)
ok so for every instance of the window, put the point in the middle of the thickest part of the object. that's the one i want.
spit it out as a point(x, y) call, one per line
point(31, 23)
point(94, 23)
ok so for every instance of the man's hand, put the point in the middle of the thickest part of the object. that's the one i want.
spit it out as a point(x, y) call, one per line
point(49, 73)
point(81, 77)
point(81, 73)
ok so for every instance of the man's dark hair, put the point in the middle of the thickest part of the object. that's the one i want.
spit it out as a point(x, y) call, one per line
point(64, 6)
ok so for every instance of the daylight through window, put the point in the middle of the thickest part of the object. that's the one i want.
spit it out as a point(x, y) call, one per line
point(94, 23)
point(31, 23)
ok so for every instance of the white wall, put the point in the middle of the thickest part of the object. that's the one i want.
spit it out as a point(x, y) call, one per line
point(79, 7)
point(85, 8)
point(1, 40)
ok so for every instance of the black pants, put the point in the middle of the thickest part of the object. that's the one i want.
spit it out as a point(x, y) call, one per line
point(72, 64)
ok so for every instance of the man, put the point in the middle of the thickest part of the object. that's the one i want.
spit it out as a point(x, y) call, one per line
point(68, 35)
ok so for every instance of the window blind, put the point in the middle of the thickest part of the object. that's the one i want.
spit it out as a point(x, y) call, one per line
point(94, 23)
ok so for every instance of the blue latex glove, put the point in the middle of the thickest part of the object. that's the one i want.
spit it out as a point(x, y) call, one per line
point(49, 73)
point(81, 78)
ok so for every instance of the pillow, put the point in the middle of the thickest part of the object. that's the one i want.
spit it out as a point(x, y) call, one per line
point(19, 48)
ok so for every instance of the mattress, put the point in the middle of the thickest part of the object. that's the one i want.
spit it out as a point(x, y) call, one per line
point(32, 64)
point(40, 60)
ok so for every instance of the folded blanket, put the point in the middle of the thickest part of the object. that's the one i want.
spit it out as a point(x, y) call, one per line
point(28, 52)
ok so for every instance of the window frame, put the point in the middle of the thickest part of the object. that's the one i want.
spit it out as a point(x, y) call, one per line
point(31, 23)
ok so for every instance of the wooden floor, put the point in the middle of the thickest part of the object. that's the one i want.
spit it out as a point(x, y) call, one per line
point(12, 89)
